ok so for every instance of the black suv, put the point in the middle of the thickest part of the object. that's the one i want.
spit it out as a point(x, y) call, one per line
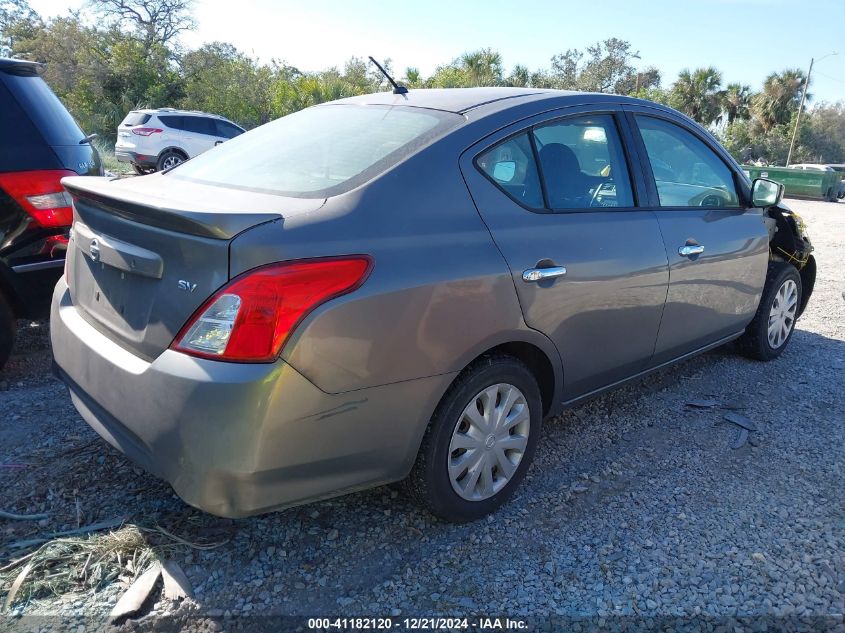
point(40, 144)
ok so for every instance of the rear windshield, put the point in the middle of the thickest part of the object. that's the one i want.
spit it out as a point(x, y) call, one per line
point(136, 118)
point(44, 108)
point(319, 152)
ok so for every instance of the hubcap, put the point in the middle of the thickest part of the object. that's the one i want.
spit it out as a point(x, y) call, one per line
point(171, 161)
point(782, 314)
point(488, 442)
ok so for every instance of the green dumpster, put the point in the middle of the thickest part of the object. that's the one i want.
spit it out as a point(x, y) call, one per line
point(817, 184)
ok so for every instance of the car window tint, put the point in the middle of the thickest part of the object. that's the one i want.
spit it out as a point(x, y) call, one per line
point(686, 171)
point(172, 121)
point(583, 164)
point(136, 118)
point(199, 125)
point(511, 166)
point(44, 108)
point(15, 126)
point(227, 130)
point(320, 151)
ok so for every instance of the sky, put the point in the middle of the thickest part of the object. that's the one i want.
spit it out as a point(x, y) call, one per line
point(745, 39)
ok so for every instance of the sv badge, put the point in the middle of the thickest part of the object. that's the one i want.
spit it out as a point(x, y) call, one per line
point(186, 285)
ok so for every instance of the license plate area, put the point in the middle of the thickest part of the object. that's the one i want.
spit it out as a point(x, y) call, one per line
point(118, 299)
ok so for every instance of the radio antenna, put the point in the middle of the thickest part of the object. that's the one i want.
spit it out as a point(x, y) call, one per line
point(397, 89)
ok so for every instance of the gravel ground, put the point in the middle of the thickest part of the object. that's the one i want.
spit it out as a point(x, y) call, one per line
point(637, 503)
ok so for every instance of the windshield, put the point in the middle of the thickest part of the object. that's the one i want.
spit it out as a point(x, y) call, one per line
point(319, 152)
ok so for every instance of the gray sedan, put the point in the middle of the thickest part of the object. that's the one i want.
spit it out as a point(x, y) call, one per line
point(403, 286)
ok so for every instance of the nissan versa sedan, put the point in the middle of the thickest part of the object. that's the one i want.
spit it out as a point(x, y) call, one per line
point(401, 287)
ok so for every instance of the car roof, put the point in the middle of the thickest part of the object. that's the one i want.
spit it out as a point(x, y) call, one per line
point(178, 111)
point(20, 66)
point(483, 101)
point(458, 100)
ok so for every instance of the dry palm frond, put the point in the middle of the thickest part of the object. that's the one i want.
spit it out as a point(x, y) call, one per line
point(89, 562)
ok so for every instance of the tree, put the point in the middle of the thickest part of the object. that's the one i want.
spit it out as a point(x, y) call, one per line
point(17, 20)
point(218, 78)
point(779, 98)
point(565, 70)
point(413, 78)
point(736, 103)
point(482, 67)
point(697, 93)
point(520, 77)
point(609, 68)
point(154, 21)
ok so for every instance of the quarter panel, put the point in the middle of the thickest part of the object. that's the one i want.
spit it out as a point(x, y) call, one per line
point(439, 289)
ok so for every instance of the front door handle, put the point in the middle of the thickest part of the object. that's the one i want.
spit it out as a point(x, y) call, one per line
point(688, 250)
point(540, 274)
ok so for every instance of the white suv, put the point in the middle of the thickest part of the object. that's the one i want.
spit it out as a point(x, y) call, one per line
point(154, 140)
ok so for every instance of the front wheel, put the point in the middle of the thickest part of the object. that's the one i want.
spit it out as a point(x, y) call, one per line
point(767, 335)
point(480, 441)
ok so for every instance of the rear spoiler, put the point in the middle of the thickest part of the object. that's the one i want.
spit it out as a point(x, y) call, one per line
point(190, 208)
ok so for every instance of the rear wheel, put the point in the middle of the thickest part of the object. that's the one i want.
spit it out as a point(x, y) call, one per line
point(480, 441)
point(768, 334)
point(7, 331)
point(169, 159)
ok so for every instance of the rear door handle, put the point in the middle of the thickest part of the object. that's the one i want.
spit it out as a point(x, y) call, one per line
point(539, 274)
point(688, 250)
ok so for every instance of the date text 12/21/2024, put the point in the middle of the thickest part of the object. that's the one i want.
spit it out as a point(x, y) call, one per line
point(416, 624)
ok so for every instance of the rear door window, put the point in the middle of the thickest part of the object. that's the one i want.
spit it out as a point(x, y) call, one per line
point(173, 121)
point(686, 171)
point(199, 125)
point(44, 108)
point(583, 164)
point(510, 166)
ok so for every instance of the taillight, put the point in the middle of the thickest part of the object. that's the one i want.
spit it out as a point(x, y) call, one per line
point(41, 195)
point(146, 131)
point(250, 318)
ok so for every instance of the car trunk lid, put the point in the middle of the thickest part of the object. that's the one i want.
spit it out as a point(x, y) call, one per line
point(146, 252)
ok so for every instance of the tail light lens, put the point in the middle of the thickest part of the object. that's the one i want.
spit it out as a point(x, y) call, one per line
point(41, 195)
point(146, 131)
point(250, 318)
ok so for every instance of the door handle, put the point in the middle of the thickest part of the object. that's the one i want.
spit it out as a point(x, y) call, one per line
point(688, 250)
point(539, 274)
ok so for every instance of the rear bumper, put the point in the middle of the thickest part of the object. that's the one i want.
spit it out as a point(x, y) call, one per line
point(238, 439)
point(126, 156)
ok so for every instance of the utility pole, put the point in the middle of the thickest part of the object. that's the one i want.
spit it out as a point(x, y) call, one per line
point(800, 109)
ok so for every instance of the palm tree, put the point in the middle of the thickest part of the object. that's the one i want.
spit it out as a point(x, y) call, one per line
point(482, 67)
point(697, 93)
point(413, 78)
point(779, 98)
point(520, 76)
point(736, 103)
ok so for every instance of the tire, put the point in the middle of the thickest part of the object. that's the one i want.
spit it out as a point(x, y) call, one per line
point(169, 159)
point(143, 171)
point(430, 482)
point(7, 331)
point(756, 342)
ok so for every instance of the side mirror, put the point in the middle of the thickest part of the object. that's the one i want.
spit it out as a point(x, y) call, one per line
point(504, 171)
point(765, 192)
